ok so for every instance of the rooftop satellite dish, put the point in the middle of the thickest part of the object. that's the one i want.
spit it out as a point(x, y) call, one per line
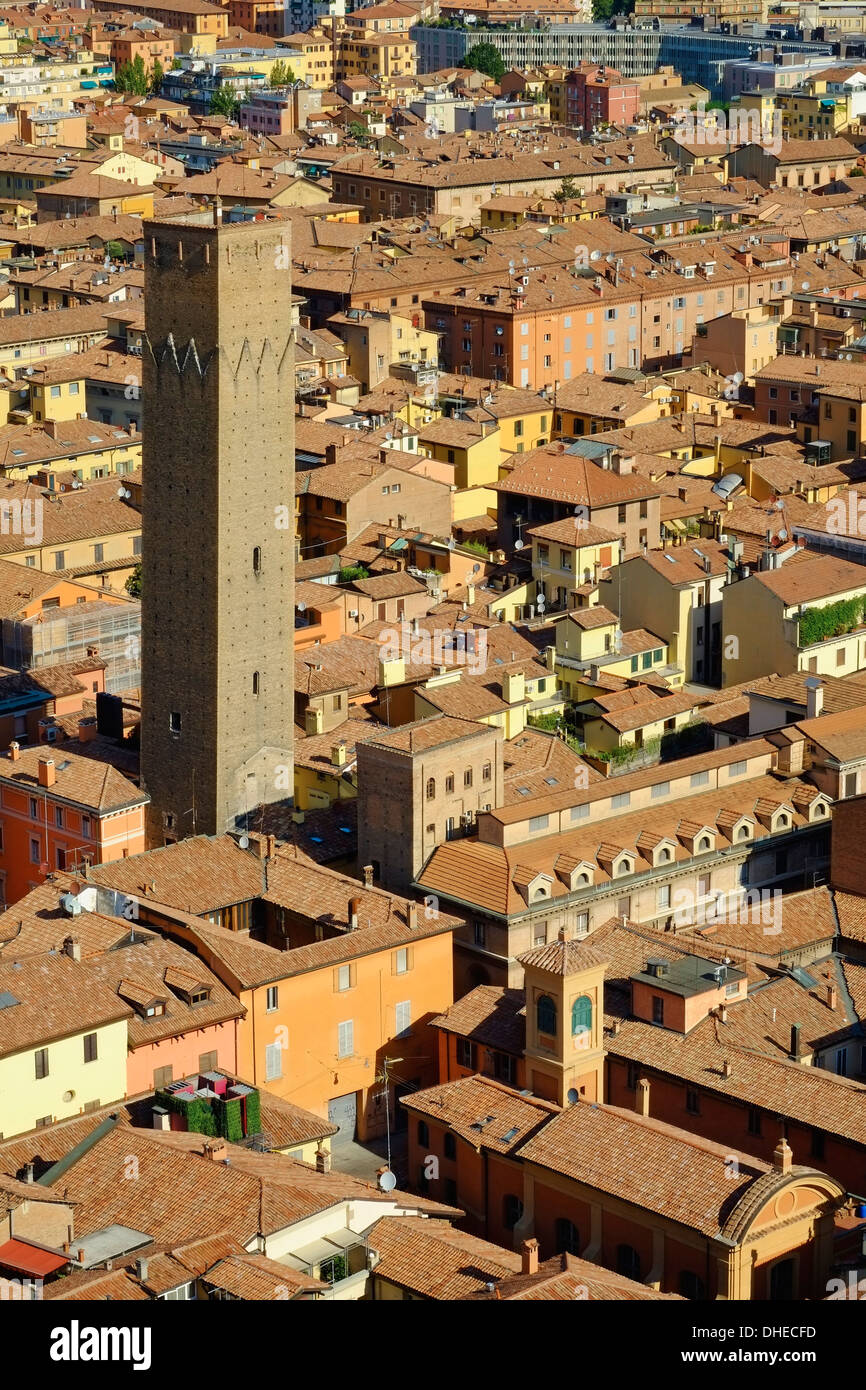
point(805, 284)
point(518, 545)
point(475, 569)
point(737, 378)
point(387, 1181)
point(301, 607)
point(244, 842)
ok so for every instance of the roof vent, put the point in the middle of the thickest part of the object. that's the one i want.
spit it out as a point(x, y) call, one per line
point(658, 967)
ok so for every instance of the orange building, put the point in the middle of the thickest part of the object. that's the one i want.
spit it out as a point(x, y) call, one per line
point(61, 814)
point(335, 979)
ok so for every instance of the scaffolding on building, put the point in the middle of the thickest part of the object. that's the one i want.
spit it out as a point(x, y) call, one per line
point(57, 636)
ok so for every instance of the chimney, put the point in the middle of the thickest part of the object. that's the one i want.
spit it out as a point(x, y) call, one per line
point(832, 996)
point(47, 772)
point(726, 1069)
point(723, 1013)
point(86, 730)
point(218, 212)
point(323, 1160)
point(795, 1042)
point(72, 948)
point(354, 909)
point(368, 875)
point(642, 1097)
point(412, 915)
point(14, 751)
point(782, 1156)
point(814, 698)
point(141, 1267)
point(338, 754)
point(216, 1150)
point(29, 1172)
point(529, 1256)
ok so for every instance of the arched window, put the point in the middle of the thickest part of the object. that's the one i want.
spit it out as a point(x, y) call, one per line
point(512, 1210)
point(567, 1237)
point(545, 1014)
point(664, 855)
point(782, 821)
point(623, 867)
point(431, 788)
point(704, 844)
point(743, 832)
point(450, 1146)
point(257, 559)
point(582, 880)
point(691, 1285)
point(581, 1016)
point(627, 1261)
point(423, 1134)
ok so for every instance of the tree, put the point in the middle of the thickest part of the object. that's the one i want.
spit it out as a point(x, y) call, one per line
point(357, 130)
point(132, 77)
point(133, 583)
point(567, 189)
point(281, 74)
point(157, 73)
point(486, 58)
point(225, 102)
point(606, 9)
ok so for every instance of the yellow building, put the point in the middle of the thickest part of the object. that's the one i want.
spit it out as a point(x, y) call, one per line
point(472, 448)
point(567, 557)
point(502, 701)
point(63, 1042)
point(589, 641)
point(312, 58)
point(771, 621)
point(58, 449)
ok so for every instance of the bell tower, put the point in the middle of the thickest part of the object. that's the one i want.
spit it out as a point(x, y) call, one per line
point(564, 1021)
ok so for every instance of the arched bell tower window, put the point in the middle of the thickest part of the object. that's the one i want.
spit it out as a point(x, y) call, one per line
point(545, 1014)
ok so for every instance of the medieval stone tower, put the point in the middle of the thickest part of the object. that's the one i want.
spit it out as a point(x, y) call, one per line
point(217, 524)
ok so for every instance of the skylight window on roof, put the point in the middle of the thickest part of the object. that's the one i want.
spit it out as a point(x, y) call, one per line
point(551, 781)
point(7, 1000)
point(524, 791)
point(512, 1134)
point(670, 559)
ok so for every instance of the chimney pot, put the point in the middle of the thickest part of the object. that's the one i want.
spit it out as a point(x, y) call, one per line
point(368, 875)
point(529, 1256)
point(47, 773)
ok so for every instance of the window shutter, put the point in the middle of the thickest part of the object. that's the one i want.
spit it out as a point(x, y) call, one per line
point(346, 1040)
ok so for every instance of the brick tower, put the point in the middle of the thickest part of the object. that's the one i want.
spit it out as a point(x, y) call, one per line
point(217, 524)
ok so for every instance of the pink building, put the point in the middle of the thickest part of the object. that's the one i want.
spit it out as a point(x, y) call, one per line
point(597, 96)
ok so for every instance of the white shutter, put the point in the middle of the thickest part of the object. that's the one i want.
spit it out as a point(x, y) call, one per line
point(346, 1041)
point(403, 1017)
point(273, 1062)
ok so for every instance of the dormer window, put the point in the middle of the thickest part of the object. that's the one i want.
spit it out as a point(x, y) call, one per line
point(783, 821)
point(199, 996)
point(664, 855)
point(704, 844)
point(155, 1010)
point(623, 867)
point(743, 832)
